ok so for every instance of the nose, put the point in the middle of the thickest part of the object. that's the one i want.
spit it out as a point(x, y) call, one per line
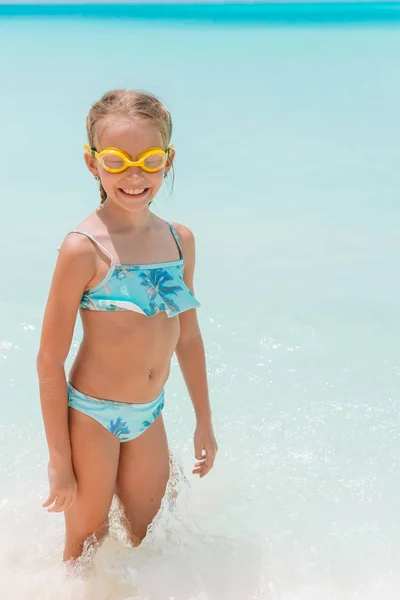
point(134, 173)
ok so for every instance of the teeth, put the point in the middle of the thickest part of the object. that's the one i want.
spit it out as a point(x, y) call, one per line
point(134, 192)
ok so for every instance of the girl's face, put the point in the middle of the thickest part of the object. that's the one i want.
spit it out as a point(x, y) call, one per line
point(134, 188)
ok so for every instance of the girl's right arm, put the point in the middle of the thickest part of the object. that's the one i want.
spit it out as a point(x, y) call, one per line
point(76, 266)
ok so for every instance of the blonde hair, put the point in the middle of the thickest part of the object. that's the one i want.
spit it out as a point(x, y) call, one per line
point(128, 104)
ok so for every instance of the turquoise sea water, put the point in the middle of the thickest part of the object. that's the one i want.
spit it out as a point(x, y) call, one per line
point(247, 12)
point(287, 145)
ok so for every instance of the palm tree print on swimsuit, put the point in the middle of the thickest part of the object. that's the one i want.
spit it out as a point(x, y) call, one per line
point(155, 283)
point(120, 429)
point(155, 414)
point(122, 271)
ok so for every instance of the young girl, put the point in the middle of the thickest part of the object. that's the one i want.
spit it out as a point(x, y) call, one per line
point(131, 275)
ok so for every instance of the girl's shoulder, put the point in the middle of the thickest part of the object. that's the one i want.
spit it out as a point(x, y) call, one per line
point(77, 253)
point(76, 261)
point(187, 244)
point(77, 242)
point(185, 234)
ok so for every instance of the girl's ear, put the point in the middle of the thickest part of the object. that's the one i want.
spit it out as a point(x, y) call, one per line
point(91, 164)
point(170, 160)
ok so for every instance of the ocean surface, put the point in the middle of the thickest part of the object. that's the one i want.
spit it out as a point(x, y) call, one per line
point(287, 171)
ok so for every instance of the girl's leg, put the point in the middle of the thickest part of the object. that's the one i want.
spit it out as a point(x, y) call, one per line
point(95, 454)
point(143, 475)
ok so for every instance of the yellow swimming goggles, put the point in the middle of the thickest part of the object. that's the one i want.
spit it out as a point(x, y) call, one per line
point(115, 160)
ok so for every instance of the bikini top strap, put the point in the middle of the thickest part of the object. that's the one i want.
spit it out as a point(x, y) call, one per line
point(173, 231)
point(88, 235)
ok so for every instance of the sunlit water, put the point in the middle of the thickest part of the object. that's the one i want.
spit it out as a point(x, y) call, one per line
point(287, 171)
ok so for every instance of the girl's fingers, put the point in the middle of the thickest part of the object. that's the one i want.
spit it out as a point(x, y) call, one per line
point(49, 500)
point(70, 502)
point(204, 466)
point(211, 453)
point(206, 470)
point(200, 468)
point(64, 505)
point(58, 504)
point(197, 471)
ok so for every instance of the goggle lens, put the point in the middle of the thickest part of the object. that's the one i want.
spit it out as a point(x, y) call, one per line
point(155, 162)
point(109, 161)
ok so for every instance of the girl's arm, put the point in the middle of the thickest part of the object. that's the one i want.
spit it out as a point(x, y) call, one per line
point(191, 357)
point(76, 266)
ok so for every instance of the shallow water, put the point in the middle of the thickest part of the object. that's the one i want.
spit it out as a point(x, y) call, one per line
point(287, 147)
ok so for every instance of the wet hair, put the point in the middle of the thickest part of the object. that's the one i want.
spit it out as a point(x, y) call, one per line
point(128, 104)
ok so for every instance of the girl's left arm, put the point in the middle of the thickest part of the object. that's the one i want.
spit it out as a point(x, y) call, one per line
point(191, 357)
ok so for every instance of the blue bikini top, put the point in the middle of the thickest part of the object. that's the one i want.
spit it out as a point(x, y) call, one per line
point(145, 289)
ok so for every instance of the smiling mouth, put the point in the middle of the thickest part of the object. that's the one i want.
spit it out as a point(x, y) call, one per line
point(134, 192)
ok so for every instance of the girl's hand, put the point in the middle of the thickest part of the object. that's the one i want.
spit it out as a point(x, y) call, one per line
point(63, 488)
point(205, 449)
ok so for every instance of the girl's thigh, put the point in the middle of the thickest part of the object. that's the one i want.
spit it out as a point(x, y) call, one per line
point(142, 478)
point(95, 456)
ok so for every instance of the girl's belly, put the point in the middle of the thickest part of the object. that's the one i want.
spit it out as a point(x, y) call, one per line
point(124, 356)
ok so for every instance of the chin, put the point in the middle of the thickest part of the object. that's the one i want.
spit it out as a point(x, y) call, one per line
point(136, 209)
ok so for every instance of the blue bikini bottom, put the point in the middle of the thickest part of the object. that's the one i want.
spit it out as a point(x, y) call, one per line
point(125, 421)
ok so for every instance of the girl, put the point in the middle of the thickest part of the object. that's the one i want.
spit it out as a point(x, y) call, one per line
point(131, 275)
